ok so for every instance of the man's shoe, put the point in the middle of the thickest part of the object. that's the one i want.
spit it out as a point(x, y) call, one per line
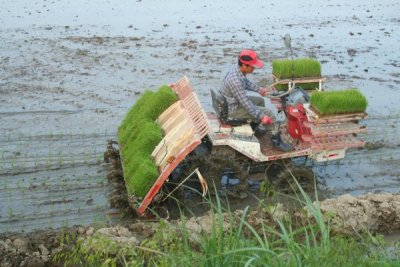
point(260, 130)
point(280, 144)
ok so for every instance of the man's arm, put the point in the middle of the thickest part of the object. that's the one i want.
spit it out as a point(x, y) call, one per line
point(250, 86)
point(240, 94)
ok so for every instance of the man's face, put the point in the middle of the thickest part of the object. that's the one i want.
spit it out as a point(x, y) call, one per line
point(249, 69)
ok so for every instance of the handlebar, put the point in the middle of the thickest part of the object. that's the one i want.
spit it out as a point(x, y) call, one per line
point(275, 94)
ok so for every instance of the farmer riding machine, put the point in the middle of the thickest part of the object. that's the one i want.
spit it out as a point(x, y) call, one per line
point(167, 140)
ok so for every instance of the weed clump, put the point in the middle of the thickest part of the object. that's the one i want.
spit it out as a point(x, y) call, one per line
point(271, 236)
point(138, 135)
point(298, 68)
point(338, 102)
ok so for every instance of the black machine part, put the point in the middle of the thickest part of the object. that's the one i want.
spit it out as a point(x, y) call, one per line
point(230, 172)
point(296, 96)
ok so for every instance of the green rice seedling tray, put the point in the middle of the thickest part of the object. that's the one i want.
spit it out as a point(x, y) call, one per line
point(138, 135)
point(297, 69)
point(338, 102)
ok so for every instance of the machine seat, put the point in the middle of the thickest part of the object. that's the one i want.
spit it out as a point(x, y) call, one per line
point(220, 106)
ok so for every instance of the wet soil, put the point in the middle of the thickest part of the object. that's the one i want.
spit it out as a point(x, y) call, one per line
point(70, 71)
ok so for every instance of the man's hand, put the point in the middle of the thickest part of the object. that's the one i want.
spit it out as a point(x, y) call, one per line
point(266, 120)
point(264, 91)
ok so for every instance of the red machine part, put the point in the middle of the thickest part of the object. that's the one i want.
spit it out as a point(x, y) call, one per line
point(296, 119)
point(330, 133)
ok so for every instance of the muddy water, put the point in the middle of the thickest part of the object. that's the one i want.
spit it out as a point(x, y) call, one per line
point(71, 69)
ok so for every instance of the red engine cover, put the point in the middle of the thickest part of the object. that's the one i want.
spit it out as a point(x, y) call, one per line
point(296, 116)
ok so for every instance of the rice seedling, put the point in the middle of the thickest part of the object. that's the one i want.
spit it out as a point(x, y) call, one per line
point(60, 135)
point(99, 158)
point(19, 185)
point(49, 160)
point(85, 157)
point(31, 184)
point(298, 68)
point(20, 137)
point(10, 213)
point(338, 102)
point(138, 135)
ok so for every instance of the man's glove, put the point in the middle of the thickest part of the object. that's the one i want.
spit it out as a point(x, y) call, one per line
point(266, 120)
point(263, 91)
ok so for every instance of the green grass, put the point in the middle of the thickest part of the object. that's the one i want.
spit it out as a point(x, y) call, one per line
point(236, 240)
point(339, 102)
point(302, 68)
point(138, 135)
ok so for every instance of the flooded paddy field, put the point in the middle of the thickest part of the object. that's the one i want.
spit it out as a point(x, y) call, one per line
point(69, 71)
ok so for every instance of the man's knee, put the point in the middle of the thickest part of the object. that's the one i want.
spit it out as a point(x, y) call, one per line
point(258, 101)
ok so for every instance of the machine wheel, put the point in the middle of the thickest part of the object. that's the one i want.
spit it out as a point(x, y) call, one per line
point(285, 181)
point(274, 168)
point(215, 165)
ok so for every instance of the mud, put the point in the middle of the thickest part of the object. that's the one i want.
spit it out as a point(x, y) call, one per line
point(375, 213)
point(71, 70)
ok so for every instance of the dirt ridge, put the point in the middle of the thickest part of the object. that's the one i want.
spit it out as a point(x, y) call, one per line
point(374, 213)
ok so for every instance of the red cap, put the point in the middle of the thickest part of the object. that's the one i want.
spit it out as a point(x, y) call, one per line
point(249, 57)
